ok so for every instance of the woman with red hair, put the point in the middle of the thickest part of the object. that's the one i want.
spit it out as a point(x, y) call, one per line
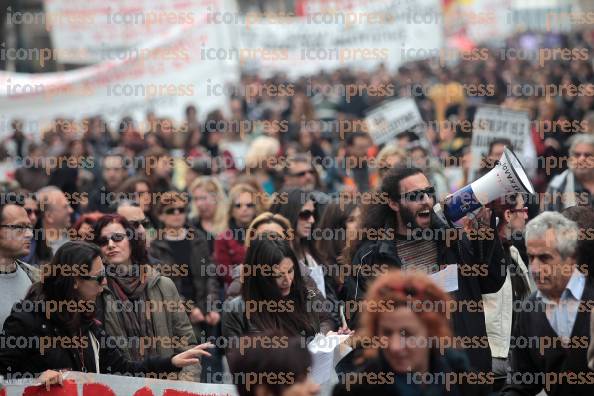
point(403, 346)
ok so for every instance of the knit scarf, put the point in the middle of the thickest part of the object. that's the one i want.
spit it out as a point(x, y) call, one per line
point(131, 291)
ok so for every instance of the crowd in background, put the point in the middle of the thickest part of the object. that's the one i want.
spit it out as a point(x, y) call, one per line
point(186, 212)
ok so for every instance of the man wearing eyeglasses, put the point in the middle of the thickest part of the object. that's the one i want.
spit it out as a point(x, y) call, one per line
point(408, 235)
point(575, 186)
point(135, 215)
point(16, 276)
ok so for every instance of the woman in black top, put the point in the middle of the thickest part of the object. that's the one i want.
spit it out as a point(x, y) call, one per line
point(274, 296)
point(61, 310)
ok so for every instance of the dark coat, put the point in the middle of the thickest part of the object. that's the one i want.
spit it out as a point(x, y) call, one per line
point(31, 359)
point(466, 321)
point(236, 324)
point(533, 327)
point(202, 270)
point(378, 379)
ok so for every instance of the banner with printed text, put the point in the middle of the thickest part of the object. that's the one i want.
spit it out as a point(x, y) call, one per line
point(82, 384)
point(492, 122)
point(164, 76)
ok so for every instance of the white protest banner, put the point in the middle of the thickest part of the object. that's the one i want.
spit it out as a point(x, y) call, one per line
point(493, 122)
point(381, 32)
point(391, 118)
point(93, 32)
point(167, 75)
point(88, 384)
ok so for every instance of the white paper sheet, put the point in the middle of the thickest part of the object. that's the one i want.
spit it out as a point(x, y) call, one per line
point(447, 278)
point(326, 352)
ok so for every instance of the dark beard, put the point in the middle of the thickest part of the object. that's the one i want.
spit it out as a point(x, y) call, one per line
point(408, 217)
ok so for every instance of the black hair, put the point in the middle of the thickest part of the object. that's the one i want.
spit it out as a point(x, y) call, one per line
point(263, 253)
point(378, 215)
point(290, 207)
point(138, 253)
point(504, 141)
point(59, 286)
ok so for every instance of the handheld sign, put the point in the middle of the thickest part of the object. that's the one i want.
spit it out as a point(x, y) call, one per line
point(391, 118)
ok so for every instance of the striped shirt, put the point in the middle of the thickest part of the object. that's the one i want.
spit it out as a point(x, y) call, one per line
point(418, 255)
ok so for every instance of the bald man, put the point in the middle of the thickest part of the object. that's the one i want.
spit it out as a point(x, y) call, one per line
point(56, 212)
point(135, 215)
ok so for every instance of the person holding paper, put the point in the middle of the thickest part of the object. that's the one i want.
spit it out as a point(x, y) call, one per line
point(402, 231)
point(55, 326)
point(499, 313)
point(405, 348)
point(273, 296)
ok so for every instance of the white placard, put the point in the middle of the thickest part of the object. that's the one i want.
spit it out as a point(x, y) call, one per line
point(493, 122)
point(391, 118)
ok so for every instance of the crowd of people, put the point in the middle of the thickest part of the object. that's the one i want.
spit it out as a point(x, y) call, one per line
point(159, 248)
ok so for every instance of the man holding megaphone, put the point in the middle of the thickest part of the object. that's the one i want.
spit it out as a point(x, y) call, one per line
point(426, 239)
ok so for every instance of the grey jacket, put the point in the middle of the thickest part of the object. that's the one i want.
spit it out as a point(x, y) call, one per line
point(171, 325)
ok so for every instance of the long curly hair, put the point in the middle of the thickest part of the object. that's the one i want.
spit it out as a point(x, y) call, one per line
point(396, 289)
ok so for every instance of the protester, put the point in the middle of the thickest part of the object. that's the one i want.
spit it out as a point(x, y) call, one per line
point(114, 172)
point(85, 225)
point(401, 229)
point(291, 362)
point(132, 287)
point(388, 157)
point(265, 222)
point(338, 229)
point(35, 175)
point(209, 208)
point(556, 312)
point(185, 249)
point(584, 217)
point(575, 186)
point(229, 251)
point(500, 316)
point(56, 212)
point(300, 173)
point(16, 276)
point(94, 352)
point(407, 349)
point(138, 188)
point(274, 286)
point(298, 206)
point(353, 172)
point(132, 212)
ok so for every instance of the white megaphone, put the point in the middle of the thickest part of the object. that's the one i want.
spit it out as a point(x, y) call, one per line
point(507, 177)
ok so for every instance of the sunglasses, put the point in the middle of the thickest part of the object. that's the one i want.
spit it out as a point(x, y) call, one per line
point(170, 211)
point(306, 214)
point(137, 223)
point(30, 211)
point(103, 241)
point(303, 173)
point(97, 278)
point(418, 195)
point(249, 205)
